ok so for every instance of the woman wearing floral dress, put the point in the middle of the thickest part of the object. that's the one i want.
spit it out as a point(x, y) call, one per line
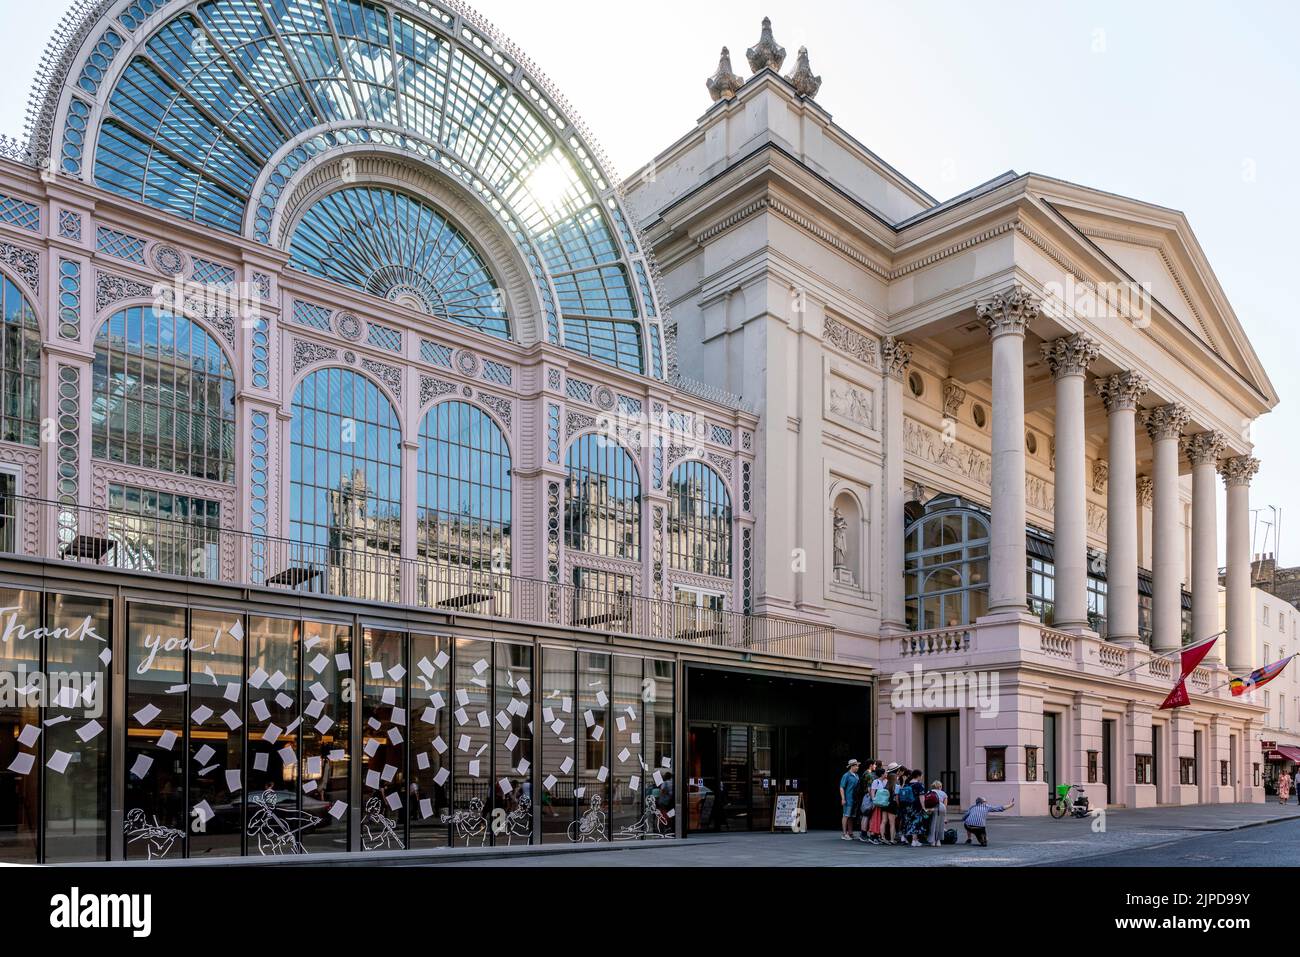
point(1284, 787)
point(915, 824)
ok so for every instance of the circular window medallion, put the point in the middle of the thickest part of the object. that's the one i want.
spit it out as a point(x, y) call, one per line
point(1031, 443)
point(467, 363)
point(168, 259)
point(978, 414)
point(348, 326)
point(916, 384)
point(604, 398)
point(349, 357)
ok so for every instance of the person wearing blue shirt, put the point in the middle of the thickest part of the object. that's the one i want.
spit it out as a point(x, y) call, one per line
point(848, 784)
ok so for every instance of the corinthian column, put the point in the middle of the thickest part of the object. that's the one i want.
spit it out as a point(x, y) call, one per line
point(1237, 473)
point(1006, 315)
point(895, 356)
point(1120, 393)
point(1165, 426)
point(1203, 451)
point(1069, 359)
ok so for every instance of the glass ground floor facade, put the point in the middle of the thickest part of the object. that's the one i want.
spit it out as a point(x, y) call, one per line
point(137, 726)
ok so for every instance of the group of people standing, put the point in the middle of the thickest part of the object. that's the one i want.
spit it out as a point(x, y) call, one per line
point(892, 805)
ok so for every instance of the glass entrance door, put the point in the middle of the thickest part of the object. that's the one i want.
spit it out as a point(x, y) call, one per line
point(1051, 774)
point(942, 759)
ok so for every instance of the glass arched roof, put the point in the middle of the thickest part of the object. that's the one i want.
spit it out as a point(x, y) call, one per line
point(393, 246)
point(207, 108)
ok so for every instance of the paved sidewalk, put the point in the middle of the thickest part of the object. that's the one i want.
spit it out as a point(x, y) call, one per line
point(1013, 841)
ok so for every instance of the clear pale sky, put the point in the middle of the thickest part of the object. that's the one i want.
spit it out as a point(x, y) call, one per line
point(1189, 105)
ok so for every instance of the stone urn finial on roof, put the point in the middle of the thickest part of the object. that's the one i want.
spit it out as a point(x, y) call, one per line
point(723, 84)
point(766, 53)
point(802, 79)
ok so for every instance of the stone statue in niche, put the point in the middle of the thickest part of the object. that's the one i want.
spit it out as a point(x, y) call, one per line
point(840, 547)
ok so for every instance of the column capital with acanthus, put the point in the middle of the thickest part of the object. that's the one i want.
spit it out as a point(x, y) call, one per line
point(1239, 469)
point(895, 356)
point(1204, 448)
point(1070, 355)
point(1166, 421)
point(1122, 390)
point(1008, 312)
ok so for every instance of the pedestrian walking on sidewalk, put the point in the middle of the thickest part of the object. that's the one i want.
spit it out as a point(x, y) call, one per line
point(848, 785)
point(1284, 787)
point(976, 819)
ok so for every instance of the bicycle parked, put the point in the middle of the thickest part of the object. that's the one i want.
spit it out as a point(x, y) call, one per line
point(1070, 800)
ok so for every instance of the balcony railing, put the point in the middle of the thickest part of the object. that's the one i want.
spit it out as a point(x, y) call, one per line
point(357, 565)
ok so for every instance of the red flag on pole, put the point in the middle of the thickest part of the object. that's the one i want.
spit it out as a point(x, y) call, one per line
point(1192, 655)
point(1177, 698)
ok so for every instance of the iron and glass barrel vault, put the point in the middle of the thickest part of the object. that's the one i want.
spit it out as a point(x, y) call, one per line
point(257, 117)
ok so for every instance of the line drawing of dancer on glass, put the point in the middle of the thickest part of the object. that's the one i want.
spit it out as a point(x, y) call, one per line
point(159, 839)
point(469, 824)
point(651, 823)
point(377, 831)
point(276, 830)
point(591, 826)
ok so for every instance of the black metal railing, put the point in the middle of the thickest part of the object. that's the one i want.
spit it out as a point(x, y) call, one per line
point(358, 565)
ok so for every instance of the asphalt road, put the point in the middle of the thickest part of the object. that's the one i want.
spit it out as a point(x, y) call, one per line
point(1268, 845)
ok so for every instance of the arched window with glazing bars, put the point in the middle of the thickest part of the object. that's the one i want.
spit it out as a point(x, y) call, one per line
point(699, 520)
point(946, 575)
point(602, 508)
point(345, 487)
point(464, 509)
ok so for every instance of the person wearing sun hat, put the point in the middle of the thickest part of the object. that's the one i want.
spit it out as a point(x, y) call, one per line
point(848, 785)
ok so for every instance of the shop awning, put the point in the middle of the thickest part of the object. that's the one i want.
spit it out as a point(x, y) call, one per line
point(1284, 753)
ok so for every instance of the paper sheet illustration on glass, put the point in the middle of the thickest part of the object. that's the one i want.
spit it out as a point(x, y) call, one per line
point(277, 829)
point(158, 839)
point(469, 825)
point(591, 826)
point(377, 831)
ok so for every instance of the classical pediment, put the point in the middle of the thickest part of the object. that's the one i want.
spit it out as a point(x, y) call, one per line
point(1156, 248)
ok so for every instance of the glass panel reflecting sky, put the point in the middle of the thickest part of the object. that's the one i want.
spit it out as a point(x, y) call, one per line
point(393, 246)
point(217, 94)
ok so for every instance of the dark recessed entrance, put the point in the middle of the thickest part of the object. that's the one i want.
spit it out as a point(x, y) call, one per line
point(752, 735)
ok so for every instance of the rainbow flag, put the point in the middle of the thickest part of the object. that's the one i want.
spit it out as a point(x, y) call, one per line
point(1259, 677)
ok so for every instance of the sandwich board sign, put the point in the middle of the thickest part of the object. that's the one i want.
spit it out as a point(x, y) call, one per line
point(788, 813)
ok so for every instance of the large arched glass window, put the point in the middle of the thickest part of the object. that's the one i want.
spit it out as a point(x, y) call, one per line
point(699, 521)
point(164, 396)
point(464, 505)
point(220, 133)
point(345, 485)
point(20, 368)
point(947, 569)
point(602, 508)
point(390, 245)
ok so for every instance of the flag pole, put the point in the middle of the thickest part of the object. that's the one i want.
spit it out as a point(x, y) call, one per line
point(1177, 651)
